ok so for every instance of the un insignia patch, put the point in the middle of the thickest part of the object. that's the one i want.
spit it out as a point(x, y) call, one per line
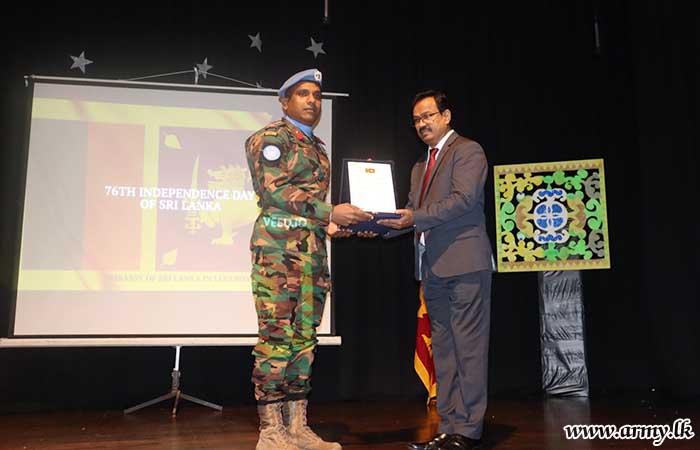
point(271, 153)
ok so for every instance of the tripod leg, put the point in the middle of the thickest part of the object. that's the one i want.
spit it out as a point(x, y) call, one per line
point(177, 400)
point(149, 403)
point(201, 402)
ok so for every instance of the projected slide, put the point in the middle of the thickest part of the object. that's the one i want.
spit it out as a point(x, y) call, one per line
point(138, 211)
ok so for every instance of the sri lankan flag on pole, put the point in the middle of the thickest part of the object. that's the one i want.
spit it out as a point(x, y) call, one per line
point(423, 357)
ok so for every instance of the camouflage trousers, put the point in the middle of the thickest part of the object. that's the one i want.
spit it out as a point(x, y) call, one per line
point(289, 290)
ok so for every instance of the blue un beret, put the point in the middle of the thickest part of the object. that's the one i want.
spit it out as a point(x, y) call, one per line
point(305, 75)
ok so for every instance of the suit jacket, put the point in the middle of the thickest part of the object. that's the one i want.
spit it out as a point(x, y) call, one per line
point(452, 216)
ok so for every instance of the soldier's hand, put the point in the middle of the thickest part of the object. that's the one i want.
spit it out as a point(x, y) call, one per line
point(335, 231)
point(367, 234)
point(346, 214)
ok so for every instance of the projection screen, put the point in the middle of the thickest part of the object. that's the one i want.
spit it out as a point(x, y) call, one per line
point(138, 209)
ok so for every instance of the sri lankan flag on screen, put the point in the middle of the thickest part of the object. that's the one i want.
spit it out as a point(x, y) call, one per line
point(95, 175)
point(423, 357)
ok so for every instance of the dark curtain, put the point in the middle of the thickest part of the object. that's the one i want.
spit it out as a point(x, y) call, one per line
point(529, 81)
point(667, 65)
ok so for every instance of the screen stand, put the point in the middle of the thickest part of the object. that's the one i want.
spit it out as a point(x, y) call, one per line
point(174, 392)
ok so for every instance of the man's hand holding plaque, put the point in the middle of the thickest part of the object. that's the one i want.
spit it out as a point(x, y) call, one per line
point(345, 215)
point(405, 220)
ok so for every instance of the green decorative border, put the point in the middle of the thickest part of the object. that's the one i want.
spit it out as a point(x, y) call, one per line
point(551, 216)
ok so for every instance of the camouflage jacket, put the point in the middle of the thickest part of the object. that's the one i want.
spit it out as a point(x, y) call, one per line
point(291, 175)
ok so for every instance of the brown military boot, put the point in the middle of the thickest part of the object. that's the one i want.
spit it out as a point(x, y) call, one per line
point(295, 418)
point(273, 434)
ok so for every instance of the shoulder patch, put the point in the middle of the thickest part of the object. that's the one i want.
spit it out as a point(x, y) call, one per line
point(271, 153)
point(273, 128)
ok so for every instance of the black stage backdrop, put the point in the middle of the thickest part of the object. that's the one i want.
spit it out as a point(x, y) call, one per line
point(528, 80)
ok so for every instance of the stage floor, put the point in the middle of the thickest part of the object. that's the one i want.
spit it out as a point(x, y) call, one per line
point(523, 424)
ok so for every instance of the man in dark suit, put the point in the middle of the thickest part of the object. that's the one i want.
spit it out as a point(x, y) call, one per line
point(454, 263)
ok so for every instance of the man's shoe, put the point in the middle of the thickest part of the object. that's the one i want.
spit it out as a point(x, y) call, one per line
point(459, 442)
point(434, 444)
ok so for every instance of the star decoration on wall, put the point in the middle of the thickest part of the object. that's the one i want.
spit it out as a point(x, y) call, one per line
point(204, 68)
point(256, 41)
point(316, 48)
point(80, 62)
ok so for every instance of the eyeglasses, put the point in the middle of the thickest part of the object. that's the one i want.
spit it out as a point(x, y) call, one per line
point(425, 117)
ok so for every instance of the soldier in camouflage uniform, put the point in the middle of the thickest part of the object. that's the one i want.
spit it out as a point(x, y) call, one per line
point(290, 278)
